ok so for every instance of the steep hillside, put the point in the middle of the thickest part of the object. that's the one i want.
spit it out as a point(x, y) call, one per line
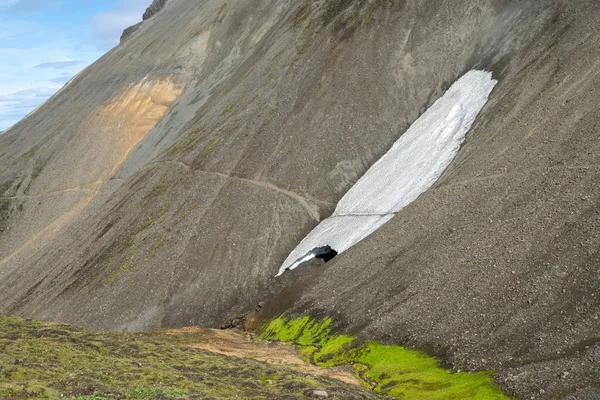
point(166, 184)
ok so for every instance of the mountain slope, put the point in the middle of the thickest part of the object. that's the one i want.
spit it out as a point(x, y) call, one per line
point(166, 184)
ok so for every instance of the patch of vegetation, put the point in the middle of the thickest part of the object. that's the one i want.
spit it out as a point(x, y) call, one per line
point(388, 369)
point(221, 14)
point(354, 19)
point(127, 263)
point(161, 186)
point(146, 48)
point(202, 156)
point(373, 7)
point(4, 187)
point(333, 9)
point(369, 16)
point(25, 156)
point(135, 256)
point(369, 11)
point(226, 110)
point(130, 261)
point(300, 15)
point(29, 154)
point(331, 12)
point(162, 241)
point(212, 143)
point(189, 143)
point(57, 361)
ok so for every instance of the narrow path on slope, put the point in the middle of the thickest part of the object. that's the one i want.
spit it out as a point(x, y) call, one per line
point(311, 209)
point(57, 224)
point(484, 178)
point(84, 187)
point(123, 113)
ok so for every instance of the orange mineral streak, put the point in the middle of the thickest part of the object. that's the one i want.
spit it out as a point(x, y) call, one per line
point(117, 127)
point(129, 117)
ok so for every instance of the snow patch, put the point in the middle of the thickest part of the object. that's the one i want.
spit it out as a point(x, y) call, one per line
point(409, 168)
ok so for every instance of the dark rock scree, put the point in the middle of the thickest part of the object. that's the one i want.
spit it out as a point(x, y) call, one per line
point(155, 7)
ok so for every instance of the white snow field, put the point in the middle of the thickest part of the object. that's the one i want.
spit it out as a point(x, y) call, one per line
point(409, 168)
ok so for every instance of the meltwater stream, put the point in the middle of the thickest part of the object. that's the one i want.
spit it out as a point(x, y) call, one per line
point(409, 168)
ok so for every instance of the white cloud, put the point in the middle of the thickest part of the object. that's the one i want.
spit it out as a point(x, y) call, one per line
point(108, 26)
point(30, 5)
point(25, 46)
point(37, 60)
point(61, 80)
point(4, 4)
point(58, 64)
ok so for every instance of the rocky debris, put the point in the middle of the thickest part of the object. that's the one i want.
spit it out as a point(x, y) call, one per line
point(154, 8)
point(253, 320)
point(248, 322)
point(128, 32)
point(316, 394)
point(232, 323)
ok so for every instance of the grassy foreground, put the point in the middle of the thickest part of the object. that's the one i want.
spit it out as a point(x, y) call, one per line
point(43, 360)
point(389, 370)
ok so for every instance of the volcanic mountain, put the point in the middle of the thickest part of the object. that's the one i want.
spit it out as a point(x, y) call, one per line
point(166, 184)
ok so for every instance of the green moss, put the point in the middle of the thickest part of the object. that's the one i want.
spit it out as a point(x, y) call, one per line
point(333, 9)
point(4, 187)
point(212, 143)
point(158, 245)
point(161, 186)
point(146, 48)
point(136, 394)
point(352, 23)
point(56, 361)
point(300, 15)
point(152, 218)
point(188, 143)
point(127, 263)
point(25, 156)
point(29, 154)
point(226, 110)
point(221, 14)
point(312, 333)
point(130, 260)
point(368, 16)
point(391, 370)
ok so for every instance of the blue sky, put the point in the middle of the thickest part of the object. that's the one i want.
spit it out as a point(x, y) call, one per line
point(43, 43)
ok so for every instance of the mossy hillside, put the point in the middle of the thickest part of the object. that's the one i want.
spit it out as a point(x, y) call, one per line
point(51, 361)
point(388, 369)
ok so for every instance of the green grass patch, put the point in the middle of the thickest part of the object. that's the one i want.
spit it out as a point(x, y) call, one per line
point(390, 370)
point(56, 361)
point(226, 110)
point(146, 48)
point(30, 153)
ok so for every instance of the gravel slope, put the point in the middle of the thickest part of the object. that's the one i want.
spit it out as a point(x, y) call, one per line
point(283, 106)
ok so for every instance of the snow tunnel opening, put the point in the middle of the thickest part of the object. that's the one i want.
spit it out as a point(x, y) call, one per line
point(321, 255)
point(326, 253)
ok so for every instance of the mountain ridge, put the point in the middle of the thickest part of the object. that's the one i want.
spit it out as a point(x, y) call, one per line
point(276, 109)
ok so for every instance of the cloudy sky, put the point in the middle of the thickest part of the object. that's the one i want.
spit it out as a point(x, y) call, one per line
point(43, 43)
